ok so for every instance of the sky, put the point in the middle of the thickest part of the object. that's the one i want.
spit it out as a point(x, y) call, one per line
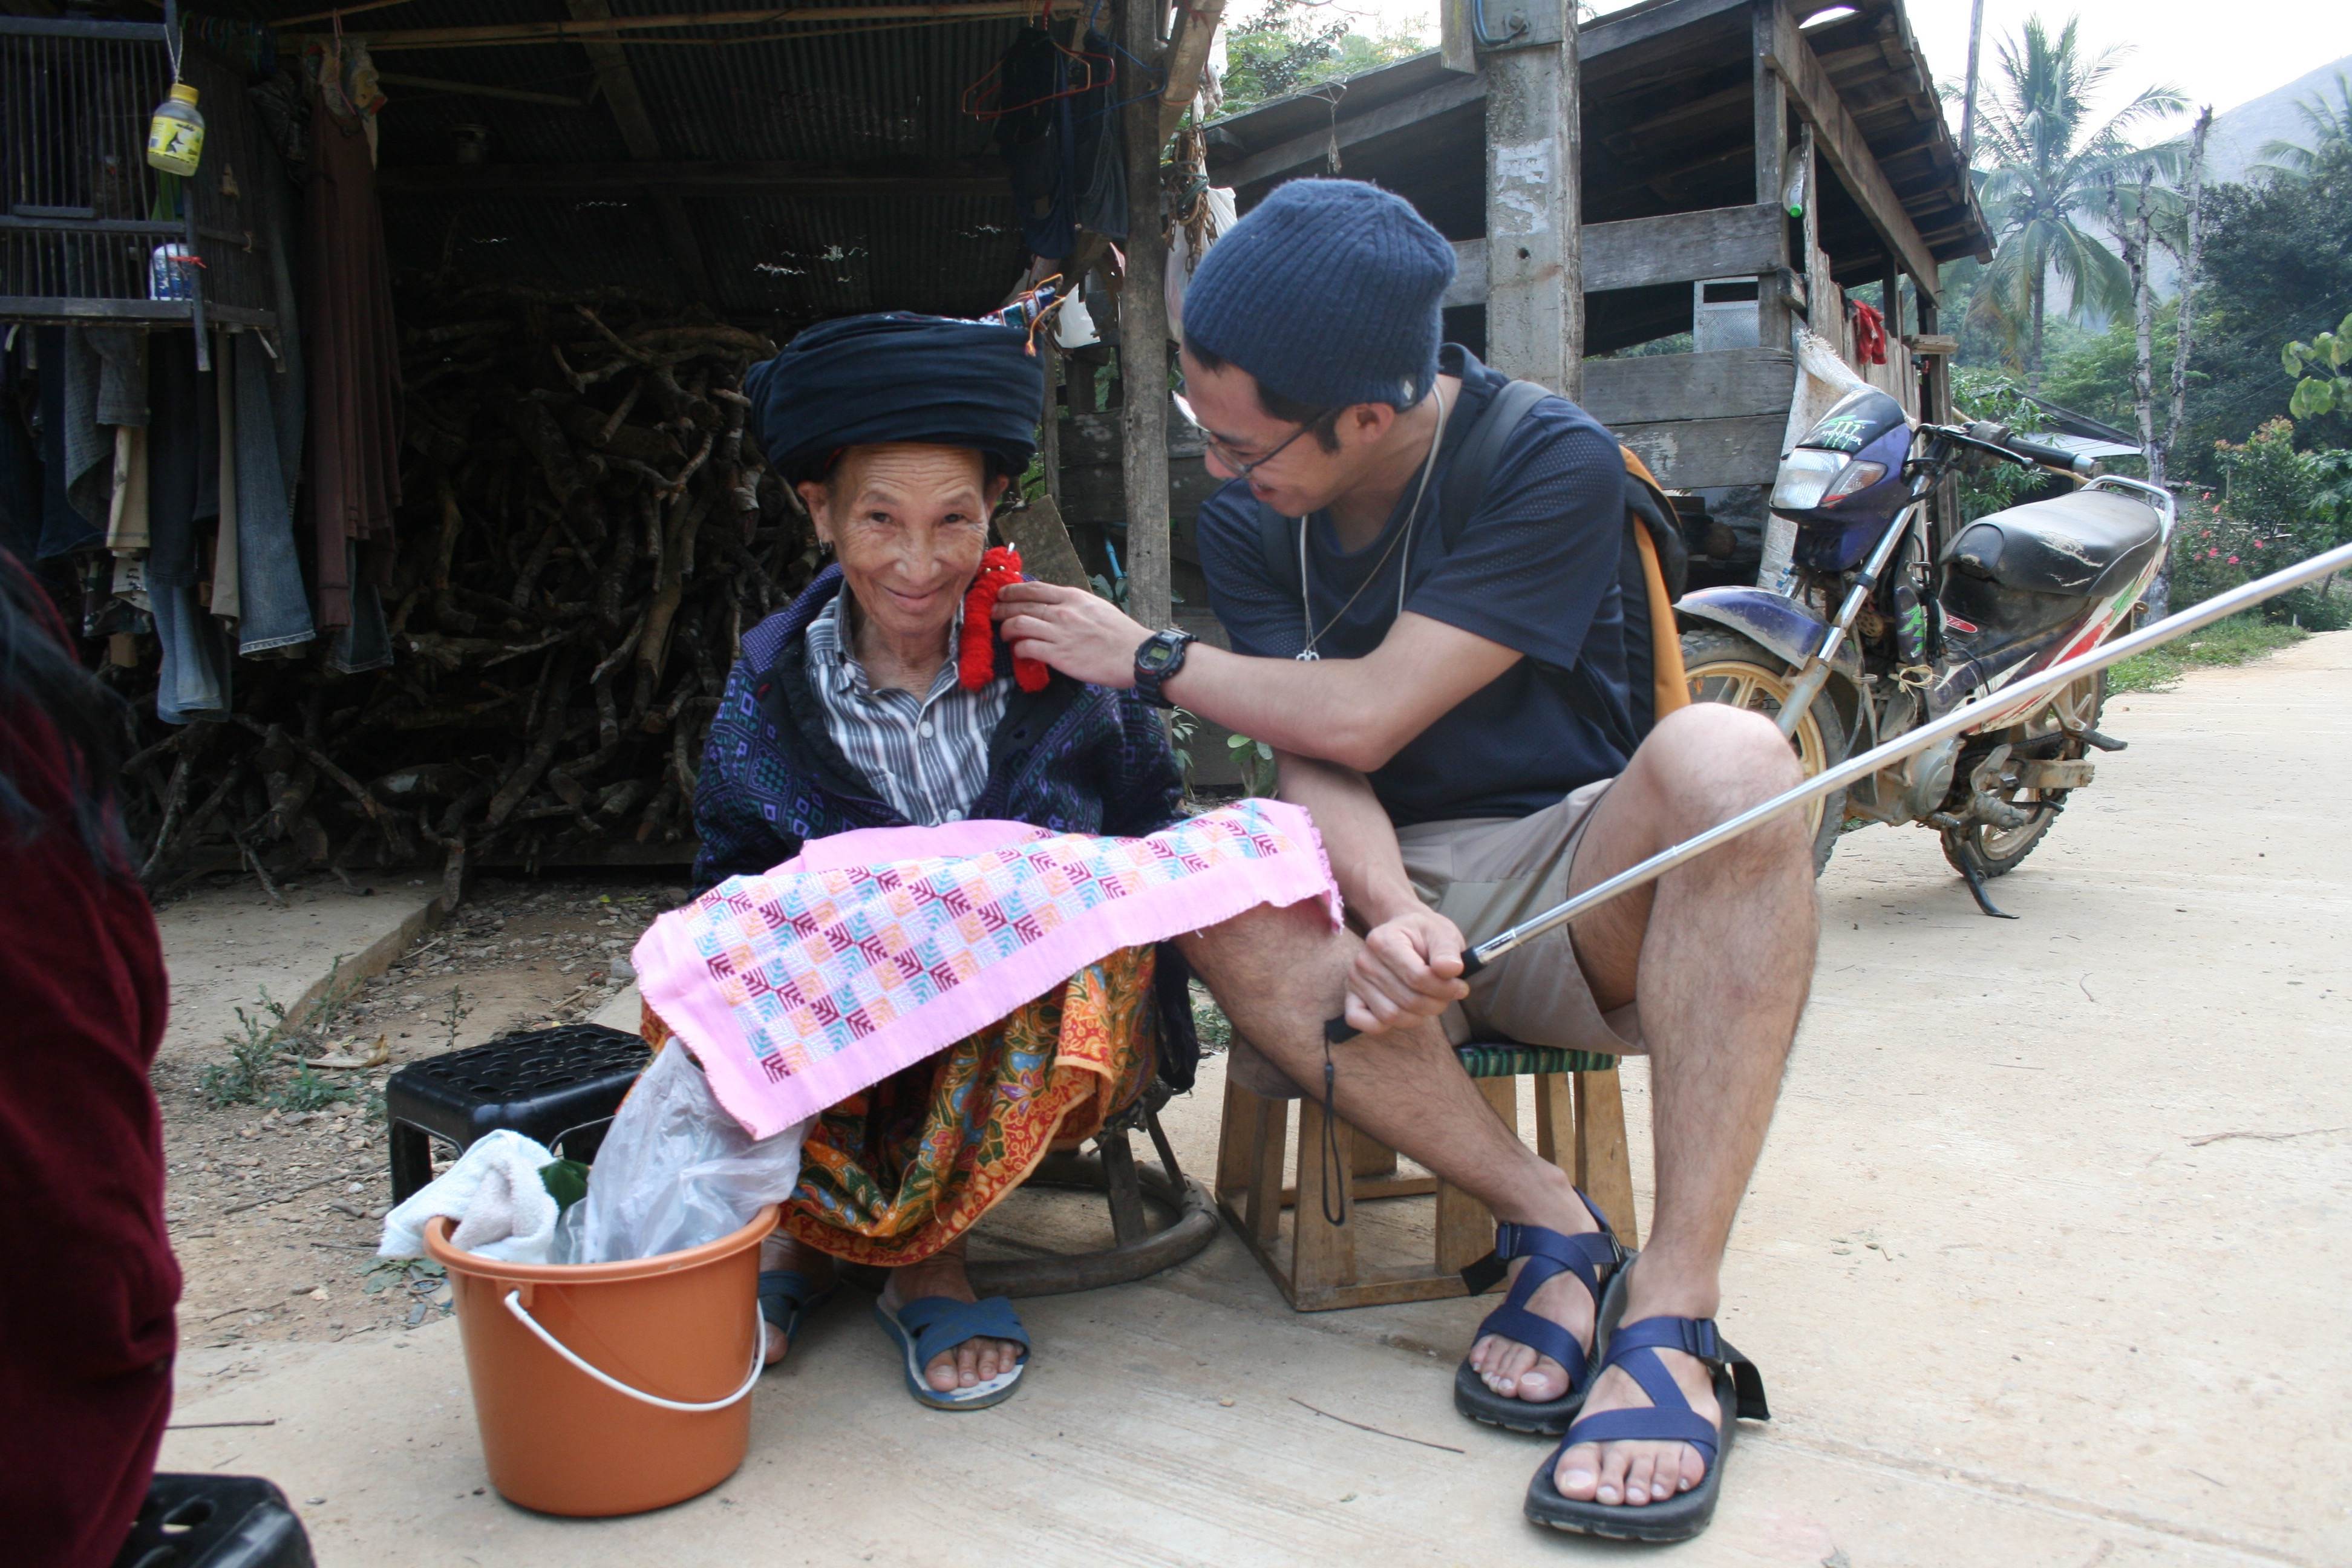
point(2218, 54)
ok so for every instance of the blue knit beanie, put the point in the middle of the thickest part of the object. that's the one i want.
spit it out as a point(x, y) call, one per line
point(1327, 292)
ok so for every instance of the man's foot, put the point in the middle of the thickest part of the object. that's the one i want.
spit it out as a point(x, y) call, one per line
point(975, 1361)
point(1629, 1474)
point(1516, 1371)
point(780, 1251)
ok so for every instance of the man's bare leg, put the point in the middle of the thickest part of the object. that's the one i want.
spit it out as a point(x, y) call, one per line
point(1280, 974)
point(1720, 955)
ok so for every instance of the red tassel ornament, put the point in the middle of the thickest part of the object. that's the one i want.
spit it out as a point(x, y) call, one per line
point(976, 652)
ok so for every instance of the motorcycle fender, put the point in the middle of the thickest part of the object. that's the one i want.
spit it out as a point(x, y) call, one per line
point(1777, 622)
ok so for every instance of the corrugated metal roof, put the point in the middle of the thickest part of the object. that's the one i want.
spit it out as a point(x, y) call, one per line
point(878, 100)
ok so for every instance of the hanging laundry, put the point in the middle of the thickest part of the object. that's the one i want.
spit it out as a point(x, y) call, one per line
point(274, 607)
point(222, 596)
point(1059, 131)
point(183, 476)
point(354, 422)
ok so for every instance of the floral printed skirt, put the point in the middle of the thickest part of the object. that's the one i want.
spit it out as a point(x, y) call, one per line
point(892, 1175)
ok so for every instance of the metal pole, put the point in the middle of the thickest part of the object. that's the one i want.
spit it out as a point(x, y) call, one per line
point(1964, 717)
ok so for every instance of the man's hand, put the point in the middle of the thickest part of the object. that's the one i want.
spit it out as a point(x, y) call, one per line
point(1083, 635)
point(1410, 968)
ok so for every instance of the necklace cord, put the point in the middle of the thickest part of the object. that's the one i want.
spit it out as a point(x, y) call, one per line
point(1404, 537)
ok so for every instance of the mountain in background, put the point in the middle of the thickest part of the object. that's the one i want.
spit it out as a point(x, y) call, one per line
point(2235, 145)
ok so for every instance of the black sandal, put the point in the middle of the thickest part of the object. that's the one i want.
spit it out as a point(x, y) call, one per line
point(1668, 1417)
point(1595, 1259)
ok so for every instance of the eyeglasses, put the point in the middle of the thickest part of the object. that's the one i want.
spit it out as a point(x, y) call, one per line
point(1242, 468)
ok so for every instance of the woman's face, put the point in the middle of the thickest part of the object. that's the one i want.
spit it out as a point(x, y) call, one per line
point(909, 524)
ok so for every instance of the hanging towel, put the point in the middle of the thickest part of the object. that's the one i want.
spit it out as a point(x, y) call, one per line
point(126, 517)
point(224, 600)
point(503, 1210)
point(874, 949)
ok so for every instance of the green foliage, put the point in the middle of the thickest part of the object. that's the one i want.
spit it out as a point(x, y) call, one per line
point(306, 1090)
point(1291, 46)
point(2090, 372)
point(1209, 1021)
point(1255, 760)
point(1981, 393)
point(2278, 268)
point(2327, 354)
point(2277, 506)
point(2051, 169)
point(252, 1053)
point(2237, 640)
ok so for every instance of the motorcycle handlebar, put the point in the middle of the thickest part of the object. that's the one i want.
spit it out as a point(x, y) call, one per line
point(2057, 458)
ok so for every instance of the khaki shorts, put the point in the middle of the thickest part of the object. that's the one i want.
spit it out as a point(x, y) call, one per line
point(1488, 874)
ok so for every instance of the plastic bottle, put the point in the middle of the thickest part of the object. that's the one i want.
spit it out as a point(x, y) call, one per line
point(175, 137)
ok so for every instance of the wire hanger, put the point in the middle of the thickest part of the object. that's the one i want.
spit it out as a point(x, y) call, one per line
point(980, 100)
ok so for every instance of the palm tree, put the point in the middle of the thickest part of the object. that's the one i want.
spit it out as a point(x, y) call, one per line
point(2329, 124)
point(2049, 170)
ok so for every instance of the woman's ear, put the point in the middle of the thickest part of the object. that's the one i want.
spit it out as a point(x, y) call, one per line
point(817, 500)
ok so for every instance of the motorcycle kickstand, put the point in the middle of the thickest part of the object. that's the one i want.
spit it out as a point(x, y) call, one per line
point(1975, 880)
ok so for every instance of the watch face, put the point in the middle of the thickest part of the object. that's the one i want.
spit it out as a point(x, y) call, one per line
point(1156, 655)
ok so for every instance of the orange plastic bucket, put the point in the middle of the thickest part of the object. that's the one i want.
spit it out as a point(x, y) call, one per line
point(609, 1388)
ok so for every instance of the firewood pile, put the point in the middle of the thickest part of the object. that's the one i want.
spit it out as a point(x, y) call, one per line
point(584, 537)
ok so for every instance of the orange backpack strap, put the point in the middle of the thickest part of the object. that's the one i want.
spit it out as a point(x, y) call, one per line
point(1670, 686)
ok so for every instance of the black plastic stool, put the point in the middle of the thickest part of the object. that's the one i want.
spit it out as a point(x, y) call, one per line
point(558, 1086)
point(215, 1522)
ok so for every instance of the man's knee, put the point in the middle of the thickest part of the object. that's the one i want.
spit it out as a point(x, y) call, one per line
point(1709, 761)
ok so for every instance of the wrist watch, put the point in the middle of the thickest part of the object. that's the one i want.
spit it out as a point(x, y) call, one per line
point(1160, 657)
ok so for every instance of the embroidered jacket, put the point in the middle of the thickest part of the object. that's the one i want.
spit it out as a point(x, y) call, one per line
point(1073, 758)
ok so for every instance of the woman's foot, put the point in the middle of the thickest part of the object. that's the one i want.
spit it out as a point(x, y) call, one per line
point(972, 1363)
point(780, 1251)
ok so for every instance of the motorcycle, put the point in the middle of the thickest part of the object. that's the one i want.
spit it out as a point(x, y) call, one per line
point(1868, 621)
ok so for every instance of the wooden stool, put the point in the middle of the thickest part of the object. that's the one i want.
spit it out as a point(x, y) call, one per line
point(1321, 1271)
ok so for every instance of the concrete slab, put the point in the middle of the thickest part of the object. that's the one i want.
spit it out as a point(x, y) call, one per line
point(225, 946)
point(2042, 1266)
point(625, 1011)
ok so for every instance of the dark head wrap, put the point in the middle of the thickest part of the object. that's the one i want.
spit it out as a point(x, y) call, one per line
point(866, 379)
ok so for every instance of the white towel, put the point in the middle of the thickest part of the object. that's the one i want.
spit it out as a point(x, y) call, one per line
point(503, 1210)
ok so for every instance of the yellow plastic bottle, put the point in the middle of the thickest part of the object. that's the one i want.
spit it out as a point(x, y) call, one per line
point(175, 137)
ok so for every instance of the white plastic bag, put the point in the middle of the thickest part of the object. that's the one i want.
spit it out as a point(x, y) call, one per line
point(675, 1171)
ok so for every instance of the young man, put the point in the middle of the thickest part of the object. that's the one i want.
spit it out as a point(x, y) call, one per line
point(1449, 698)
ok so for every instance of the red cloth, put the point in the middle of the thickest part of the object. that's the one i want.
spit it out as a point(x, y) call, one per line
point(1869, 332)
point(976, 654)
point(86, 1324)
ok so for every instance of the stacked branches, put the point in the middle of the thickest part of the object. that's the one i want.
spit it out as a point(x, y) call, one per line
point(585, 538)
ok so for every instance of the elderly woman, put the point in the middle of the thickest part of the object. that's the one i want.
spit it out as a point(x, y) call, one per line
point(899, 433)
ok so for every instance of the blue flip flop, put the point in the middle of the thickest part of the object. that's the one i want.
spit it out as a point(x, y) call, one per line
point(924, 1328)
point(787, 1297)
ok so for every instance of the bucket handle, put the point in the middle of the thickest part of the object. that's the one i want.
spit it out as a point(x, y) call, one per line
point(522, 1315)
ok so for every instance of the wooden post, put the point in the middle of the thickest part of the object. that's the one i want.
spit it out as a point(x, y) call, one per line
point(1465, 1227)
point(1143, 329)
point(1535, 270)
point(1604, 1168)
point(1771, 136)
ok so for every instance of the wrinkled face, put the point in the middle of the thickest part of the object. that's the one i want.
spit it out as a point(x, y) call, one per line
point(1296, 478)
point(909, 524)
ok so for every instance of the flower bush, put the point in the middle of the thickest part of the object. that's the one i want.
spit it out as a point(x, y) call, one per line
point(2277, 506)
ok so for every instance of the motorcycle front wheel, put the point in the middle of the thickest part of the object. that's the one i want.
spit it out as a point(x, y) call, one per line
point(1724, 667)
point(1997, 851)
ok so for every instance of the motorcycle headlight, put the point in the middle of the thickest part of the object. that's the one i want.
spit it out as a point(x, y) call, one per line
point(1806, 475)
point(1858, 476)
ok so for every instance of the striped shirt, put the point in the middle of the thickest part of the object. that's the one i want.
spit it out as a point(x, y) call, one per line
point(928, 755)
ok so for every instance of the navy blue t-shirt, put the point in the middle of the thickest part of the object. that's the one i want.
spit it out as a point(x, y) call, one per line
point(1534, 567)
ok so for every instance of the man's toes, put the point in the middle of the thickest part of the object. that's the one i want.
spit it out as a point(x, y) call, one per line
point(1641, 1467)
point(1613, 1461)
point(1546, 1379)
point(1505, 1361)
point(1694, 1468)
point(1578, 1474)
point(941, 1373)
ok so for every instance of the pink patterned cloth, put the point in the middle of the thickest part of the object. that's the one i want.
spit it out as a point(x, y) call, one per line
point(871, 949)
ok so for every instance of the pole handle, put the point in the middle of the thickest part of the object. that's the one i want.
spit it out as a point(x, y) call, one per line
point(1339, 1031)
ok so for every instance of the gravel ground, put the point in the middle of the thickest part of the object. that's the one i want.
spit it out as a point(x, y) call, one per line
point(275, 1206)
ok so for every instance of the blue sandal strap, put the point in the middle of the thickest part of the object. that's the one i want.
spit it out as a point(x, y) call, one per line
point(1540, 1335)
point(940, 1324)
point(784, 1293)
point(1696, 1337)
point(1586, 1254)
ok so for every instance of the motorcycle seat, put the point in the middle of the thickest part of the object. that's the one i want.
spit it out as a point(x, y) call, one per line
point(2082, 546)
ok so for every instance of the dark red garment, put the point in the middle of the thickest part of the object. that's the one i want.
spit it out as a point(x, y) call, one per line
point(1869, 332)
point(86, 1326)
point(354, 352)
